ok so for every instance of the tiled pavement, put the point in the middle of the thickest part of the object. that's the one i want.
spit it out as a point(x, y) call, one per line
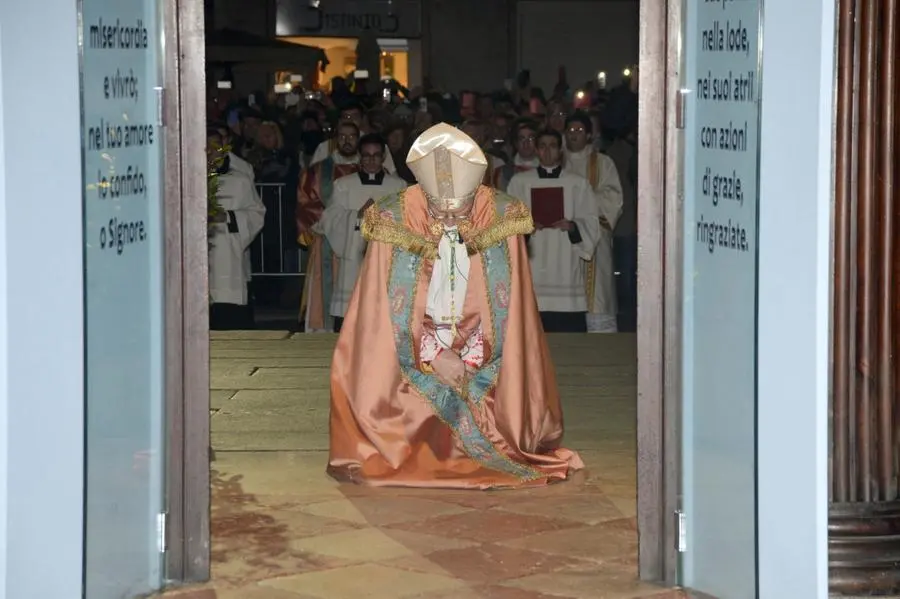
point(283, 530)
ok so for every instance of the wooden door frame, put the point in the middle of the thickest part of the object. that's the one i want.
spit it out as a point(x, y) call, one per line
point(186, 296)
point(659, 292)
point(187, 308)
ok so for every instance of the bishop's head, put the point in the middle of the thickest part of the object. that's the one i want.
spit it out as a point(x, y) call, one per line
point(449, 167)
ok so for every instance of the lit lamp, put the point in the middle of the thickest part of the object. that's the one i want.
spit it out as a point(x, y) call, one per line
point(582, 100)
point(627, 72)
point(601, 79)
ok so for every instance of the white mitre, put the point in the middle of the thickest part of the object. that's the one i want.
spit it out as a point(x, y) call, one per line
point(448, 165)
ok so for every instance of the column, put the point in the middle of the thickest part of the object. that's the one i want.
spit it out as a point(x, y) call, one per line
point(794, 297)
point(864, 509)
point(41, 302)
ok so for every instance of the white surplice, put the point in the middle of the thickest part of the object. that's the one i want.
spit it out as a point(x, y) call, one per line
point(229, 253)
point(329, 146)
point(340, 225)
point(508, 171)
point(603, 176)
point(446, 296)
point(557, 264)
point(493, 176)
point(523, 165)
point(337, 157)
point(242, 166)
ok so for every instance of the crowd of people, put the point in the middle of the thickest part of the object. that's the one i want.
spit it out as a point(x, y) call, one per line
point(570, 157)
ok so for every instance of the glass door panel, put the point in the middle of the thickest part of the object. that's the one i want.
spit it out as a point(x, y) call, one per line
point(121, 50)
point(721, 98)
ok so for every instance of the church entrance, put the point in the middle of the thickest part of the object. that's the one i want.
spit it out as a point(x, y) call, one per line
point(278, 527)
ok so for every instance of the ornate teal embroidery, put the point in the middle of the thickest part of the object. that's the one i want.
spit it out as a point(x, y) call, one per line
point(391, 204)
point(449, 406)
point(495, 262)
point(504, 201)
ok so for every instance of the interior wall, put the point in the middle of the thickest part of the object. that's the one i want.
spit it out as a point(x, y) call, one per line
point(341, 60)
point(400, 66)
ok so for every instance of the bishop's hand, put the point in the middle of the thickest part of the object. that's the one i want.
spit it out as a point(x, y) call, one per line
point(449, 369)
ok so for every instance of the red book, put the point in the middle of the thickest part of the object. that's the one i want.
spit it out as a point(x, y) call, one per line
point(547, 206)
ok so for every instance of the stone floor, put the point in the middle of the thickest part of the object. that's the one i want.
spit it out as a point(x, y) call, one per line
point(283, 530)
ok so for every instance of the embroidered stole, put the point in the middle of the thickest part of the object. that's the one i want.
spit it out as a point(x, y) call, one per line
point(451, 407)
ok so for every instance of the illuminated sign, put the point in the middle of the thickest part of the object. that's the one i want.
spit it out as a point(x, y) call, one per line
point(335, 18)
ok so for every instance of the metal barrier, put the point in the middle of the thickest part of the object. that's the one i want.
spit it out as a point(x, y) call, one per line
point(275, 253)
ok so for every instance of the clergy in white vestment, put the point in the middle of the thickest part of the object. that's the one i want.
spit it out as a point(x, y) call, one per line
point(340, 223)
point(603, 176)
point(567, 228)
point(241, 220)
point(525, 159)
point(313, 197)
point(351, 113)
